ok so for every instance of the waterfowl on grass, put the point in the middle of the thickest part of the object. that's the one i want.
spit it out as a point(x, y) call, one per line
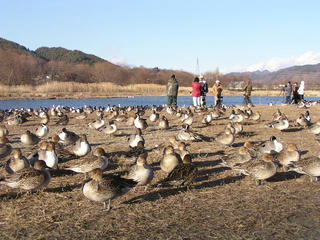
point(17, 162)
point(141, 172)
point(169, 160)
point(105, 188)
point(81, 147)
point(29, 179)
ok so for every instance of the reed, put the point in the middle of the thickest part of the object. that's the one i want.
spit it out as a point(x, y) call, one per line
point(107, 89)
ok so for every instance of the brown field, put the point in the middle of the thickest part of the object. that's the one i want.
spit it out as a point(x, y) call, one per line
point(89, 90)
point(220, 204)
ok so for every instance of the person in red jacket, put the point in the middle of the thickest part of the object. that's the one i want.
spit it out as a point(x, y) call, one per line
point(196, 92)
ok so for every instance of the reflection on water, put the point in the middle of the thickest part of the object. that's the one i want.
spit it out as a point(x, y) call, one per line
point(158, 100)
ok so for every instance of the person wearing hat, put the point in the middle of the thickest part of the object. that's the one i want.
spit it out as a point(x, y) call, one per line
point(217, 92)
point(172, 90)
point(204, 90)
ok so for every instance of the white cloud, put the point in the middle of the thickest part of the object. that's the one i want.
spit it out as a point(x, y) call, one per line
point(277, 63)
point(117, 60)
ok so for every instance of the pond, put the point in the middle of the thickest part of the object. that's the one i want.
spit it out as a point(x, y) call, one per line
point(127, 101)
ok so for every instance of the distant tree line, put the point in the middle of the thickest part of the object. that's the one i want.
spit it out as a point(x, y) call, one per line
point(19, 65)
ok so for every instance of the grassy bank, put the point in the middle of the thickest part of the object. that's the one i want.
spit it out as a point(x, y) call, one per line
point(87, 90)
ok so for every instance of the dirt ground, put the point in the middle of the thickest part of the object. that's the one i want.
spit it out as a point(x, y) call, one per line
point(219, 205)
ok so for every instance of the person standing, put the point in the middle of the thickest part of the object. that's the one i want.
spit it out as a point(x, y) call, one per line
point(288, 91)
point(196, 92)
point(172, 90)
point(247, 92)
point(301, 91)
point(295, 93)
point(204, 90)
point(217, 92)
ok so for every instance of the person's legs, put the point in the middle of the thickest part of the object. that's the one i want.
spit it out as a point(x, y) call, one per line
point(174, 100)
point(245, 100)
point(194, 99)
point(203, 102)
point(199, 101)
point(288, 100)
point(170, 100)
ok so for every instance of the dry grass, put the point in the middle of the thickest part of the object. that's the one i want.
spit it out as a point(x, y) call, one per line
point(87, 90)
point(220, 205)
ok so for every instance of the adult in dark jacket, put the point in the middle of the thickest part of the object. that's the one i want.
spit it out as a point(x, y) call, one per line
point(288, 91)
point(172, 90)
point(247, 92)
point(295, 93)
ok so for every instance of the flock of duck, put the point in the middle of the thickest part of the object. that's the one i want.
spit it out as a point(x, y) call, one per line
point(28, 168)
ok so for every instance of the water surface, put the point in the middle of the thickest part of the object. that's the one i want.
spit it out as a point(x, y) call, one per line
point(127, 101)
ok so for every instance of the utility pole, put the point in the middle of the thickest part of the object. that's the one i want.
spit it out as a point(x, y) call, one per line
point(197, 68)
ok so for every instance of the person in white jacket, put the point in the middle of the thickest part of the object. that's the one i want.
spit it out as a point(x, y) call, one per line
point(301, 91)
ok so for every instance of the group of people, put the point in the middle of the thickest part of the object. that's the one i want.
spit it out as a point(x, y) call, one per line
point(294, 93)
point(200, 90)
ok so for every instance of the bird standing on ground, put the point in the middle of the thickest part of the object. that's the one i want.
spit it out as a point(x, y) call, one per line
point(105, 188)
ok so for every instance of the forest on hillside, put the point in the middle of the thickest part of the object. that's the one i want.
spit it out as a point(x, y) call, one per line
point(20, 66)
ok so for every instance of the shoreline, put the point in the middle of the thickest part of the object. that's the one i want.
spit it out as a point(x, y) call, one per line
point(87, 95)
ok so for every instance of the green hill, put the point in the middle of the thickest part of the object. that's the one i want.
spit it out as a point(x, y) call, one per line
point(65, 55)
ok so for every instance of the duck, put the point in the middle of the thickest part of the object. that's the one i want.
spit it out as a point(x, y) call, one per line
point(281, 124)
point(236, 116)
point(134, 139)
point(237, 127)
point(309, 166)
point(226, 138)
point(105, 188)
point(38, 154)
point(28, 179)
point(188, 118)
point(242, 156)
point(29, 138)
point(42, 131)
point(3, 131)
point(255, 116)
point(186, 135)
point(174, 142)
point(315, 128)
point(67, 137)
point(63, 153)
point(164, 123)
point(63, 120)
point(141, 172)
point(207, 119)
point(260, 169)
point(277, 115)
point(97, 124)
point(182, 151)
point(81, 147)
point(17, 162)
point(140, 123)
point(82, 116)
point(302, 121)
point(110, 128)
point(169, 160)
point(50, 157)
point(5, 147)
point(44, 118)
point(272, 146)
point(182, 175)
point(154, 116)
point(86, 164)
point(288, 156)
